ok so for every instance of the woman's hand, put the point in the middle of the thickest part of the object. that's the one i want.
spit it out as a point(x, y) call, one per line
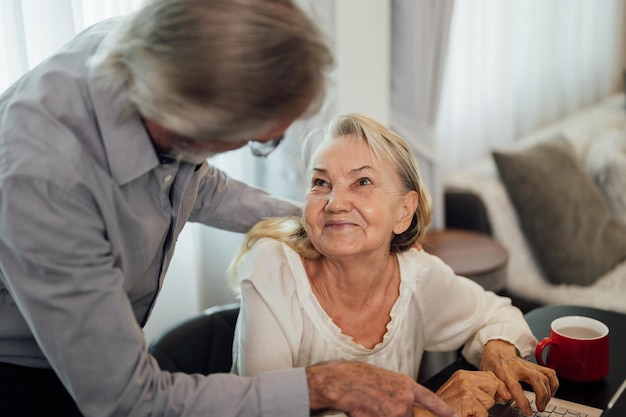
point(470, 393)
point(501, 358)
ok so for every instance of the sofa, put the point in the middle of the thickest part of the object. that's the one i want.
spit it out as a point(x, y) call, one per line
point(557, 201)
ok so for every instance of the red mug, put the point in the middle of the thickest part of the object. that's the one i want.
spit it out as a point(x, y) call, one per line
point(578, 349)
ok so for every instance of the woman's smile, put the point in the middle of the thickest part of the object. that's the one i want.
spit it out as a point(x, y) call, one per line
point(339, 224)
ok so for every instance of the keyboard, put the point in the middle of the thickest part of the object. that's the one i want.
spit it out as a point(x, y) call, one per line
point(555, 408)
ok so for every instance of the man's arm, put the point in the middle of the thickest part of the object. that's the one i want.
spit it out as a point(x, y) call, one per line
point(226, 203)
point(57, 266)
point(363, 390)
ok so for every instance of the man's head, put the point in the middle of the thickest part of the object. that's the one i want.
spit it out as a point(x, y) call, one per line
point(176, 146)
point(219, 70)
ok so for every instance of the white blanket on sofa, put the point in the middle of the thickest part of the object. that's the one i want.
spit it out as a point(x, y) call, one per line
point(524, 276)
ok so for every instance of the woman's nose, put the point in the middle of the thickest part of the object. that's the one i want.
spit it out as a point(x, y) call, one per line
point(338, 200)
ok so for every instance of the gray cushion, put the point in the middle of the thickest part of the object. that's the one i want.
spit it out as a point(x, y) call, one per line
point(565, 219)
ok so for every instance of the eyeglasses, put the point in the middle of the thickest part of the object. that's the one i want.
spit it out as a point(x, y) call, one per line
point(263, 149)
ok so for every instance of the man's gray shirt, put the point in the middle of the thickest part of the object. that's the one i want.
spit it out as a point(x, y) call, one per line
point(88, 223)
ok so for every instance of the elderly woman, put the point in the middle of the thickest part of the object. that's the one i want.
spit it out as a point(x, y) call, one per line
point(346, 281)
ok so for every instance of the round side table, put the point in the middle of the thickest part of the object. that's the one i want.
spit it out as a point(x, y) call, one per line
point(471, 254)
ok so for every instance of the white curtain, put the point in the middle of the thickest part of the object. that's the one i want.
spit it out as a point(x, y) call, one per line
point(420, 31)
point(470, 75)
point(515, 65)
point(31, 30)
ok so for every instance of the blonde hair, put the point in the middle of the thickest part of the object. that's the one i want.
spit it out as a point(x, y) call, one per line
point(216, 69)
point(386, 146)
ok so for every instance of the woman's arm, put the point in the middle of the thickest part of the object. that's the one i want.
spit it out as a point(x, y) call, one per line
point(493, 332)
point(269, 319)
point(458, 312)
point(260, 344)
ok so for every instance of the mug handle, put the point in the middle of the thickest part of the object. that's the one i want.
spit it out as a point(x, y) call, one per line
point(543, 343)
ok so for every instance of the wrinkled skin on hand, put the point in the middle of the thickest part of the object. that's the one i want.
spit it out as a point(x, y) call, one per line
point(470, 393)
point(363, 390)
point(501, 358)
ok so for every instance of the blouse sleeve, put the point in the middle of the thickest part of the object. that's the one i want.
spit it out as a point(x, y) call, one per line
point(458, 312)
point(269, 323)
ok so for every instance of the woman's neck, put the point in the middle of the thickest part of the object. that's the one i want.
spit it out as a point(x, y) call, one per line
point(355, 279)
point(357, 296)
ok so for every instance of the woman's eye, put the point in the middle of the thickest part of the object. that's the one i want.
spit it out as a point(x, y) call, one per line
point(364, 181)
point(318, 182)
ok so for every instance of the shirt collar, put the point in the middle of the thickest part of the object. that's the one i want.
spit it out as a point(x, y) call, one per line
point(129, 149)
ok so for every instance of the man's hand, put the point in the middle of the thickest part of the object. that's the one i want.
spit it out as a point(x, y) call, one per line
point(363, 390)
point(471, 393)
point(501, 358)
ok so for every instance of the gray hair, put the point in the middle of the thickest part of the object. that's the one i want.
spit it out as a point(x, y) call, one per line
point(218, 69)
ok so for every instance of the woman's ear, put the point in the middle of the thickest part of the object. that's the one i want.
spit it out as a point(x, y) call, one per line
point(410, 202)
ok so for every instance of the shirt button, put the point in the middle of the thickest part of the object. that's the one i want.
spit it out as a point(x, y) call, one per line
point(167, 179)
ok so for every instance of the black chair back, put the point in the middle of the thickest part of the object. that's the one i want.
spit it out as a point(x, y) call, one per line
point(201, 344)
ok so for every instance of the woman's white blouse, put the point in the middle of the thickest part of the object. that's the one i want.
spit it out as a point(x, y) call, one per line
point(282, 325)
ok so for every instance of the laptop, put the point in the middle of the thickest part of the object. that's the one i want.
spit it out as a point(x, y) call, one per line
point(560, 408)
